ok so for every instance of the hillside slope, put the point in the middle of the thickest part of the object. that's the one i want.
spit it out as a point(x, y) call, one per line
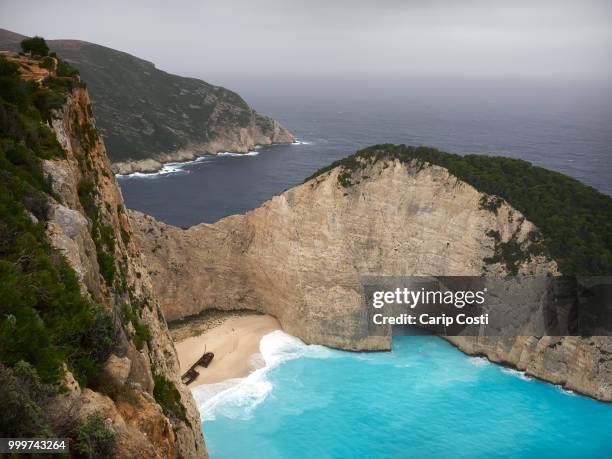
point(85, 351)
point(382, 212)
point(147, 116)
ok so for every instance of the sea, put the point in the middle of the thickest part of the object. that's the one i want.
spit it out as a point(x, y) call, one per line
point(424, 398)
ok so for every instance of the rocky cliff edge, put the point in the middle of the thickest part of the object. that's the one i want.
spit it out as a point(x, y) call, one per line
point(139, 395)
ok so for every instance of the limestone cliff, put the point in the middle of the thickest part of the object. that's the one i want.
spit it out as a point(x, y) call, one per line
point(139, 395)
point(300, 257)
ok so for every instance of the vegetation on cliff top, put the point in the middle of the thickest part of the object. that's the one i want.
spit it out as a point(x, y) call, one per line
point(575, 220)
point(37, 46)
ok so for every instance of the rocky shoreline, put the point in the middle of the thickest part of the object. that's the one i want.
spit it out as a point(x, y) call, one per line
point(153, 165)
point(578, 364)
point(262, 130)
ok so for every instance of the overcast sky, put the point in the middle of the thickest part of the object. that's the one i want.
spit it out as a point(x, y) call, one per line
point(559, 38)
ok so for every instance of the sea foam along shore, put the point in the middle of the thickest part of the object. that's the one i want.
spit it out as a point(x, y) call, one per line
point(155, 167)
point(237, 398)
point(165, 169)
point(181, 167)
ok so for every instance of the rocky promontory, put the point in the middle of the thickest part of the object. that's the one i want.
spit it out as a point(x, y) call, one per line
point(148, 117)
point(223, 137)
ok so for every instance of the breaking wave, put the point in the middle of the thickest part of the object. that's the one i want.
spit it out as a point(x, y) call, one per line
point(237, 398)
point(229, 153)
point(167, 168)
point(517, 373)
point(478, 361)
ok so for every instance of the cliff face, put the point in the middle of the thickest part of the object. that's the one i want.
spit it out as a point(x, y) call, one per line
point(300, 256)
point(147, 116)
point(89, 226)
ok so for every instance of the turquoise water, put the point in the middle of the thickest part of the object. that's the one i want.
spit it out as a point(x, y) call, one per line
point(424, 399)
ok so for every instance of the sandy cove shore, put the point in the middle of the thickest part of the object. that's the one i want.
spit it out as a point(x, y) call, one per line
point(233, 342)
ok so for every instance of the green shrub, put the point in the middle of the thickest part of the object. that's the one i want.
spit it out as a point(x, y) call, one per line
point(21, 394)
point(47, 63)
point(106, 261)
point(63, 86)
point(64, 69)
point(37, 46)
point(491, 203)
point(142, 334)
point(129, 315)
point(93, 439)
point(46, 101)
point(168, 397)
point(103, 235)
point(94, 347)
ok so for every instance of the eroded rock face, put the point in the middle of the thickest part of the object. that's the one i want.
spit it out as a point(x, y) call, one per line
point(118, 369)
point(300, 257)
point(129, 409)
point(140, 427)
point(69, 231)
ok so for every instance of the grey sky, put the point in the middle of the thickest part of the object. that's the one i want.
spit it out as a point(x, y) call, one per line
point(338, 37)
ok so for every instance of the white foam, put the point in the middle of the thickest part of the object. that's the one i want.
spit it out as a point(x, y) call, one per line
point(564, 391)
point(237, 398)
point(517, 373)
point(301, 142)
point(201, 159)
point(233, 398)
point(167, 168)
point(478, 361)
point(229, 153)
point(178, 167)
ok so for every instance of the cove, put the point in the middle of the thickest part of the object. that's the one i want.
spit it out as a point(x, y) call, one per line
point(423, 399)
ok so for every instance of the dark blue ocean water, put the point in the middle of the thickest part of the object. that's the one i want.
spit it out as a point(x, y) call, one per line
point(565, 126)
point(425, 399)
